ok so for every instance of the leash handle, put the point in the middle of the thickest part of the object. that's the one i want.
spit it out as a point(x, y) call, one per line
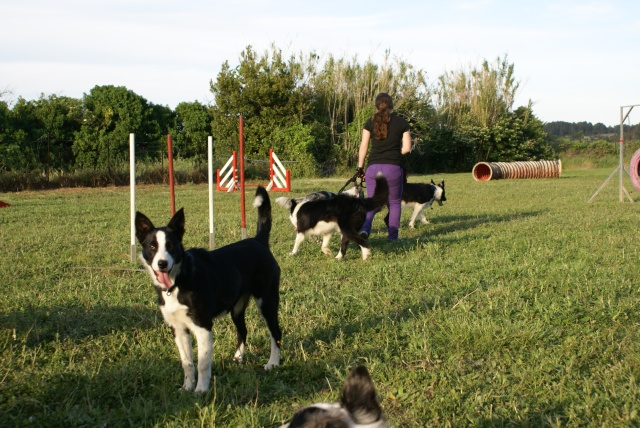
point(353, 180)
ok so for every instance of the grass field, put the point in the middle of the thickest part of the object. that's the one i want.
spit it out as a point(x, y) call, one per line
point(519, 305)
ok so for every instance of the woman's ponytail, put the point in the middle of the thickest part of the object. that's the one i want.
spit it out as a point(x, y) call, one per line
point(382, 117)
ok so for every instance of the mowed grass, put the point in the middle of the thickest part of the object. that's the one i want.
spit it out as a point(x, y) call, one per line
point(518, 305)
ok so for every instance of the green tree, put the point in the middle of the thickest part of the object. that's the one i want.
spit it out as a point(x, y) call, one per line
point(266, 90)
point(26, 136)
point(192, 128)
point(517, 136)
point(110, 114)
point(14, 156)
point(58, 119)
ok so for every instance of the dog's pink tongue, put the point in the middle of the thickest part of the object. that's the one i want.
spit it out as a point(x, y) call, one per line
point(163, 277)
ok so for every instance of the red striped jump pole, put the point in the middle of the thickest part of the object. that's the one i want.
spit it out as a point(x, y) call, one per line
point(242, 205)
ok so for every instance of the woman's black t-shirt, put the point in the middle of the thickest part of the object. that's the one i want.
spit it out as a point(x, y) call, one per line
point(387, 151)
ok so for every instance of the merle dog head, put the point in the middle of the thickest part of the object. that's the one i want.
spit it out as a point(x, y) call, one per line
point(439, 195)
point(162, 250)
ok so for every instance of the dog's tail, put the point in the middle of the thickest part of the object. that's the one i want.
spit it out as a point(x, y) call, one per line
point(285, 202)
point(359, 397)
point(263, 204)
point(380, 196)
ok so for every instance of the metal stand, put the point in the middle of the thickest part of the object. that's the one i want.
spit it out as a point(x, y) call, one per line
point(620, 168)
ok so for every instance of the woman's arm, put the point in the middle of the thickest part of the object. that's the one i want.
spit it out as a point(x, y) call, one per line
point(406, 143)
point(364, 147)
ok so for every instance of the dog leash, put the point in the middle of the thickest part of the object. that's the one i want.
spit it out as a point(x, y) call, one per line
point(353, 179)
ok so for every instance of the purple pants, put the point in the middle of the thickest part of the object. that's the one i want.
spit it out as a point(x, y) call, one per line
point(395, 178)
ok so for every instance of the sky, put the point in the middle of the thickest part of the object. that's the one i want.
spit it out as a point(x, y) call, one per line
point(575, 60)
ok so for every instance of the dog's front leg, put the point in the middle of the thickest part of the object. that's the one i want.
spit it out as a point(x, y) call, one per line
point(204, 338)
point(417, 209)
point(325, 244)
point(344, 241)
point(423, 217)
point(296, 245)
point(183, 341)
point(274, 359)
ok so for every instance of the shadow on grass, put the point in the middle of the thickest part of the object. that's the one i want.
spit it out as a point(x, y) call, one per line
point(444, 225)
point(144, 390)
point(41, 325)
point(130, 388)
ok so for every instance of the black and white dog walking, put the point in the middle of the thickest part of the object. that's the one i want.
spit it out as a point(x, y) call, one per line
point(295, 204)
point(420, 196)
point(196, 286)
point(358, 407)
point(343, 212)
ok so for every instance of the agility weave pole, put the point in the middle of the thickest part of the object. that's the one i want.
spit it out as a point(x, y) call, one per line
point(132, 185)
point(485, 171)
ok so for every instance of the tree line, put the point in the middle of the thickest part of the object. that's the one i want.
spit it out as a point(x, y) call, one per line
point(589, 131)
point(307, 108)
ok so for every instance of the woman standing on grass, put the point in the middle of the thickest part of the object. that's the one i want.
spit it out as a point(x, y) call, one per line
point(390, 139)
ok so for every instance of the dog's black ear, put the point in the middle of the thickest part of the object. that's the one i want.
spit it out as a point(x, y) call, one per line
point(143, 226)
point(359, 397)
point(176, 224)
point(442, 183)
point(432, 182)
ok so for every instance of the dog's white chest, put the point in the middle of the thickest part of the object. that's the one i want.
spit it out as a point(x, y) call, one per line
point(174, 312)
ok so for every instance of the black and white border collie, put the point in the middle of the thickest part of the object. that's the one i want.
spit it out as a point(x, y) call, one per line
point(420, 196)
point(291, 203)
point(358, 407)
point(196, 286)
point(342, 212)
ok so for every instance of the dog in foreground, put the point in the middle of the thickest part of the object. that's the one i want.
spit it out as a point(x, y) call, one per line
point(195, 286)
point(420, 196)
point(342, 212)
point(358, 407)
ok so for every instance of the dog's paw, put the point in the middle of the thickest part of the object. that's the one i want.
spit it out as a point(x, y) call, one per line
point(326, 251)
point(187, 386)
point(271, 365)
point(339, 256)
point(238, 356)
point(201, 389)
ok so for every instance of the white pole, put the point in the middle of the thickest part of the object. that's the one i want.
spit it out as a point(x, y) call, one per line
point(210, 154)
point(132, 180)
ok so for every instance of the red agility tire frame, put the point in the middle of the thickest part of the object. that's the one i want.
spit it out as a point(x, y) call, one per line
point(634, 172)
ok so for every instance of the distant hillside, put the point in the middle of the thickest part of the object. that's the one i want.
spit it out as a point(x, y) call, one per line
point(589, 131)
